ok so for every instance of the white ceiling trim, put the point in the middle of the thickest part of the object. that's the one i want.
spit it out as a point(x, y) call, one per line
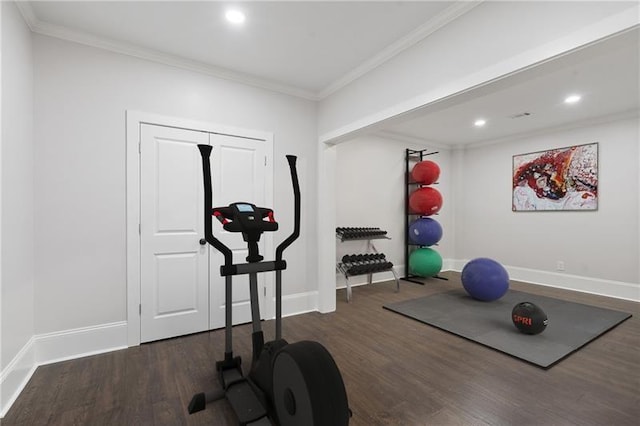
point(445, 17)
point(412, 140)
point(80, 37)
point(27, 13)
point(578, 124)
point(448, 15)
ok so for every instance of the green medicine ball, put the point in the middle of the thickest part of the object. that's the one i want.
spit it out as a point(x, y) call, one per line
point(425, 262)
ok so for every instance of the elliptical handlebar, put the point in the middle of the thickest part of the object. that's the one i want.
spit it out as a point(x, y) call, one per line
point(296, 195)
point(205, 152)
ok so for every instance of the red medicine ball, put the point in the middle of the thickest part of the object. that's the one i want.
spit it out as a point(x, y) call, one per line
point(425, 201)
point(425, 172)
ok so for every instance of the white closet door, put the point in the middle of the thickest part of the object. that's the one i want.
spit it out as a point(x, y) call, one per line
point(174, 265)
point(239, 170)
point(182, 291)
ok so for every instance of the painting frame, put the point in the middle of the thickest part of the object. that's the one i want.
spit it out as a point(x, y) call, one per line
point(557, 179)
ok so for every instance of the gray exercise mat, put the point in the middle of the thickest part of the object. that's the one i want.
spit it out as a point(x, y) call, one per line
point(571, 325)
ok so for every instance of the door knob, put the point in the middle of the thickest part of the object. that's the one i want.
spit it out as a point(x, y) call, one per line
point(203, 241)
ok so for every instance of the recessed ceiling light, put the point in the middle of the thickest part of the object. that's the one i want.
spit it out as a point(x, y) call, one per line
point(480, 122)
point(235, 16)
point(572, 99)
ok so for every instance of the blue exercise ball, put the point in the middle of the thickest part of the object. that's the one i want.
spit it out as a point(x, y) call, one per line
point(485, 279)
point(425, 231)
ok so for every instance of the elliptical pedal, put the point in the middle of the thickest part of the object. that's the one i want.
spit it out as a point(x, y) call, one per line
point(245, 403)
point(261, 422)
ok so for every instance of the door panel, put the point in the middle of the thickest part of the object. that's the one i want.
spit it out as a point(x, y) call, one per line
point(174, 266)
point(238, 175)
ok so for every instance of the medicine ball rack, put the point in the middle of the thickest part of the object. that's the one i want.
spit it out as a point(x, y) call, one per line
point(413, 156)
point(368, 263)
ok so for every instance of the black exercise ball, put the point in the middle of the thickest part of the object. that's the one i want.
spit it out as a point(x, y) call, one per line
point(529, 318)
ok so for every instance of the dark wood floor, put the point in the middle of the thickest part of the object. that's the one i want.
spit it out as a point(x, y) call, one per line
point(397, 372)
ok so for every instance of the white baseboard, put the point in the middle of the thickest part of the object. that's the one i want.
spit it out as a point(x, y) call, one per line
point(601, 287)
point(299, 303)
point(80, 342)
point(358, 280)
point(16, 375)
point(608, 288)
point(54, 347)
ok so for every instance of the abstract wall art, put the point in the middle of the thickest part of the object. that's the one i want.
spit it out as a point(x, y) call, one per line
point(556, 179)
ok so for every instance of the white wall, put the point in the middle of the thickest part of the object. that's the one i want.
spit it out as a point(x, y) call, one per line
point(81, 96)
point(599, 249)
point(1, 38)
point(16, 192)
point(600, 245)
point(492, 40)
point(370, 183)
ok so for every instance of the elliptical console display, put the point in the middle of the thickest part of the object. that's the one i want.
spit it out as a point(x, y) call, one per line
point(289, 384)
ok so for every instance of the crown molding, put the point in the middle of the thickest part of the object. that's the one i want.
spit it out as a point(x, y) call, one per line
point(633, 113)
point(27, 13)
point(412, 140)
point(445, 17)
point(80, 37)
point(448, 15)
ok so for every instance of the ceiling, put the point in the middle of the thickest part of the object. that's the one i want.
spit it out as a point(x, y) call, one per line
point(606, 75)
point(311, 49)
point(306, 48)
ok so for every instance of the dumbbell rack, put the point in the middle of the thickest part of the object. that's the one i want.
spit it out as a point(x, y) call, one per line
point(368, 263)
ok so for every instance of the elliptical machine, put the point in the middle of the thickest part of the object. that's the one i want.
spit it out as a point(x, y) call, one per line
point(295, 384)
